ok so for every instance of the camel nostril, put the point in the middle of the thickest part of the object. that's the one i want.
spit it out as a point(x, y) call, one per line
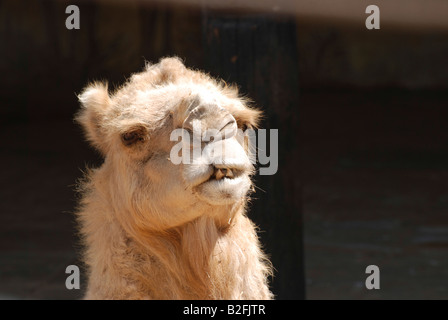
point(228, 125)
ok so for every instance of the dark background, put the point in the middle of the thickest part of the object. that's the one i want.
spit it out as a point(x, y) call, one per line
point(362, 117)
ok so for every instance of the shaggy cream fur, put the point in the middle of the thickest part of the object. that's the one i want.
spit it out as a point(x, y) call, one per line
point(156, 230)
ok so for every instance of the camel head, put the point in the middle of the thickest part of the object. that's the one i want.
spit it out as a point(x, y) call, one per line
point(174, 146)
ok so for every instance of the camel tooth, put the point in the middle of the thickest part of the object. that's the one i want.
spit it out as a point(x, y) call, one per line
point(229, 174)
point(219, 174)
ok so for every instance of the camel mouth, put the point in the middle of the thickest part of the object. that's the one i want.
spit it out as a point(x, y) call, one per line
point(223, 190)
point(228, 172)
point(225, 173)
point(225, 185)
point(220, 173)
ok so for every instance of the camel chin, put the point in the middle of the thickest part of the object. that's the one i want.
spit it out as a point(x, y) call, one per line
point(224, 191)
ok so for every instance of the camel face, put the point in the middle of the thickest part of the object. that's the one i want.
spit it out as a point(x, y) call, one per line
point(218, 169)
point(164, 216)
point(135, 128)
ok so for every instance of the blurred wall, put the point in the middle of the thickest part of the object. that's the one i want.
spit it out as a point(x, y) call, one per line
point(43, 64)
point(349, 55)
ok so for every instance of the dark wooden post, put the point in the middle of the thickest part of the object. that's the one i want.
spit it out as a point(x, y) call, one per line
point(259, 54)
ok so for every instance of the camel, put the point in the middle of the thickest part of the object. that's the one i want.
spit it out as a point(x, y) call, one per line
point(153, 229)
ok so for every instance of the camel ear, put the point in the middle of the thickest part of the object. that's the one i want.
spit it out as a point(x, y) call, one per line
point(247, 118)
point(95, 102)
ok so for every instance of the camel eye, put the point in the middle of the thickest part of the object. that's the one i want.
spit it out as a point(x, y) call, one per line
point(246, 126)
point(131, 137)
